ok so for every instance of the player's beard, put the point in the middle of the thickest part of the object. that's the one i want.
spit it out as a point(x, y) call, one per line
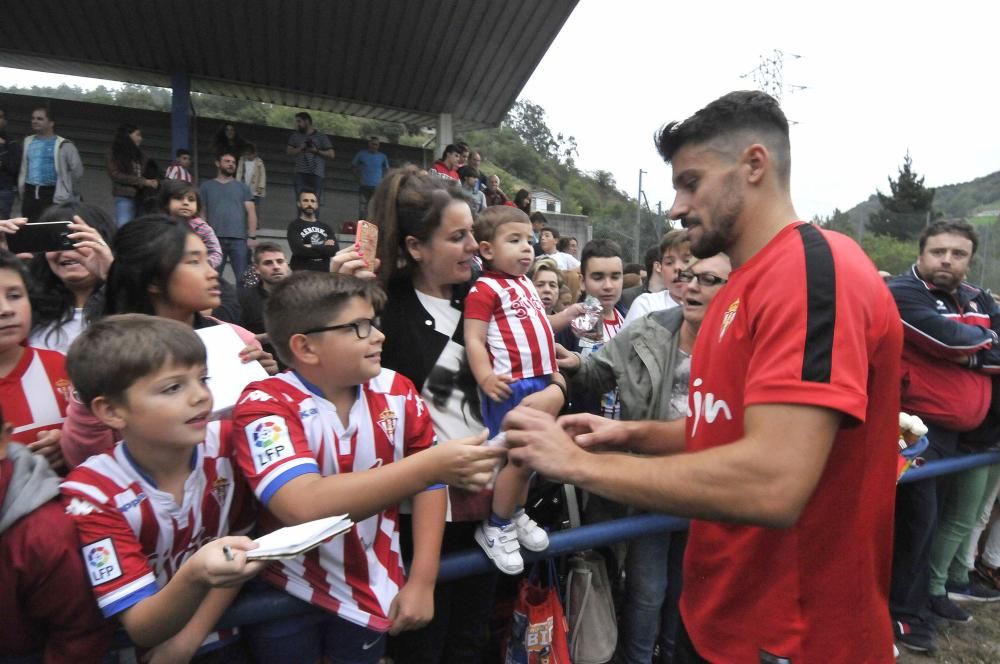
point(718, 239)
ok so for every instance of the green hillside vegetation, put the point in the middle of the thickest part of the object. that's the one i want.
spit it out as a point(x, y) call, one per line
point(523, 151)
point(976, 201)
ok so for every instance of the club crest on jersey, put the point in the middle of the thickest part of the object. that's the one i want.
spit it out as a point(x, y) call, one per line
point(727, 318)
point(102, 561)
point(220, 489)
point(387, 422)
point(64, 388)
point(269, 441)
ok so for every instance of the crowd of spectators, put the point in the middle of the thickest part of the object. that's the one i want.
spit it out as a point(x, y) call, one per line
point(129, 495)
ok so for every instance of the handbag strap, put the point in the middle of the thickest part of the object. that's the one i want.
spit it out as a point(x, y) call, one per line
point(572, 506)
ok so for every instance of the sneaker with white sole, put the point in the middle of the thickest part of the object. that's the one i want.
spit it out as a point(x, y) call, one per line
point(531, 536)
point(502, 547)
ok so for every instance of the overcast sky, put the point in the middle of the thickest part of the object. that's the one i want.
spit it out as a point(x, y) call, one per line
point(881, 77)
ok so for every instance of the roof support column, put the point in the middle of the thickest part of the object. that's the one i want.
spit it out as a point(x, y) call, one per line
point(445, 132)
point(180, 112)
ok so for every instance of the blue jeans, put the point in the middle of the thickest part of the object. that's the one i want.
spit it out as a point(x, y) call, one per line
point(645, 590)
point(234, 249)
point(124, 210)
point(6, 202)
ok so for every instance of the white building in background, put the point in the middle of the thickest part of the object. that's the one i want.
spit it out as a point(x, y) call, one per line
point(543, 200)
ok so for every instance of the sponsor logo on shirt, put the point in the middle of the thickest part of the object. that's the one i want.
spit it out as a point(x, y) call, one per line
point(387, 422)
point(727, 318)
point(126, 500)
point(102, 561)
point(705, 406)
point(269, 441)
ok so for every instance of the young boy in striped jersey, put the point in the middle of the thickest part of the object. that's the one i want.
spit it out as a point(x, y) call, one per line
point(339, 434)
point(153, 514)
point(511, 352)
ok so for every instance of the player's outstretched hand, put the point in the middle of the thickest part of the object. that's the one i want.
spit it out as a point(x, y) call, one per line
point(466, 463)
point(593, 431)
point(223, 562)
point(537, 441)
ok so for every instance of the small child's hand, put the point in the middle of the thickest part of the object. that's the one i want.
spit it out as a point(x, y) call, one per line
point(223, 562)
point(496, 387)
point(466, 463)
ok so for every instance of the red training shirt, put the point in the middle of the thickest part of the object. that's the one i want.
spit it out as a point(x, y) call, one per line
point(808, 321)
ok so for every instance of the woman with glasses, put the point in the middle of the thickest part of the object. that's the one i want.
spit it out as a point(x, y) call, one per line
point(649, 362)
point(426, 262)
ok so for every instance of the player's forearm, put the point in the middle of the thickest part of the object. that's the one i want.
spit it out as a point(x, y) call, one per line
point(158, 618)
point(728, 483)
point(429, 509)
point(358, 494)
point(656, 437)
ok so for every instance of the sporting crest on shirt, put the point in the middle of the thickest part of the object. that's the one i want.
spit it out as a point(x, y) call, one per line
point(64, 388)
point(387, 422)
point(220, 489)
point(727, 318)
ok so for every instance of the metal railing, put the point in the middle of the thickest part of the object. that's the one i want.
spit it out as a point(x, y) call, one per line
point(270, 604)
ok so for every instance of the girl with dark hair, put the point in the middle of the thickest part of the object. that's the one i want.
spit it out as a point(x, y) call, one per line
point(127, 169)
point(426, 261)
point(68, 293)
point(180, 199)
point(162, 270)
point(522, 201)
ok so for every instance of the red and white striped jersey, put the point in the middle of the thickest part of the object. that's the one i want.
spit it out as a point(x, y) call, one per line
point(35, 394)
point(134, 536)
point(519, 337)
point(282, 429)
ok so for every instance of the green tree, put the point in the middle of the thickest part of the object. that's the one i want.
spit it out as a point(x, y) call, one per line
point(905, 212)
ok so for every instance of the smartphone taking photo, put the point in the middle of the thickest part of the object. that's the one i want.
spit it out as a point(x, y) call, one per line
point(37, 237)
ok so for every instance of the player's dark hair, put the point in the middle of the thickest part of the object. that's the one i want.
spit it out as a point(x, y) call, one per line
point(745, 111)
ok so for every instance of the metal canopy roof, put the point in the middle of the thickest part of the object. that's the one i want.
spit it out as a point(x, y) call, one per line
point(397, 60)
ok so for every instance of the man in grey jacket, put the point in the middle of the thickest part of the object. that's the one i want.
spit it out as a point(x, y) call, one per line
point(649, 362)
point(50, 168)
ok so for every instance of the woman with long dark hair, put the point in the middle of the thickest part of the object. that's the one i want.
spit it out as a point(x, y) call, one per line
point(67, 293)
point(228, 139)
point(425, 260)
point(127, 169)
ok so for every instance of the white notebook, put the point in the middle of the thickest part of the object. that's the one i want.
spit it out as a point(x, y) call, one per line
point(293, 540)
point(227, 375)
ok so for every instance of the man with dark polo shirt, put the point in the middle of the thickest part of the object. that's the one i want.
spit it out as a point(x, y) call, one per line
point(784, 464)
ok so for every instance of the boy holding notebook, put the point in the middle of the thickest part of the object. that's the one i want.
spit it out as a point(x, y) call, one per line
point(337, 434)
point(148, 513)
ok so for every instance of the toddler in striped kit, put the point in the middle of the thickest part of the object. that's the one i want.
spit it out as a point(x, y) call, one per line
point(511, 352)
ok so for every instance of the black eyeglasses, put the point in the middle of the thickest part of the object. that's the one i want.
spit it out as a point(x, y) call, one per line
point(362, 328)
point(704, 278)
